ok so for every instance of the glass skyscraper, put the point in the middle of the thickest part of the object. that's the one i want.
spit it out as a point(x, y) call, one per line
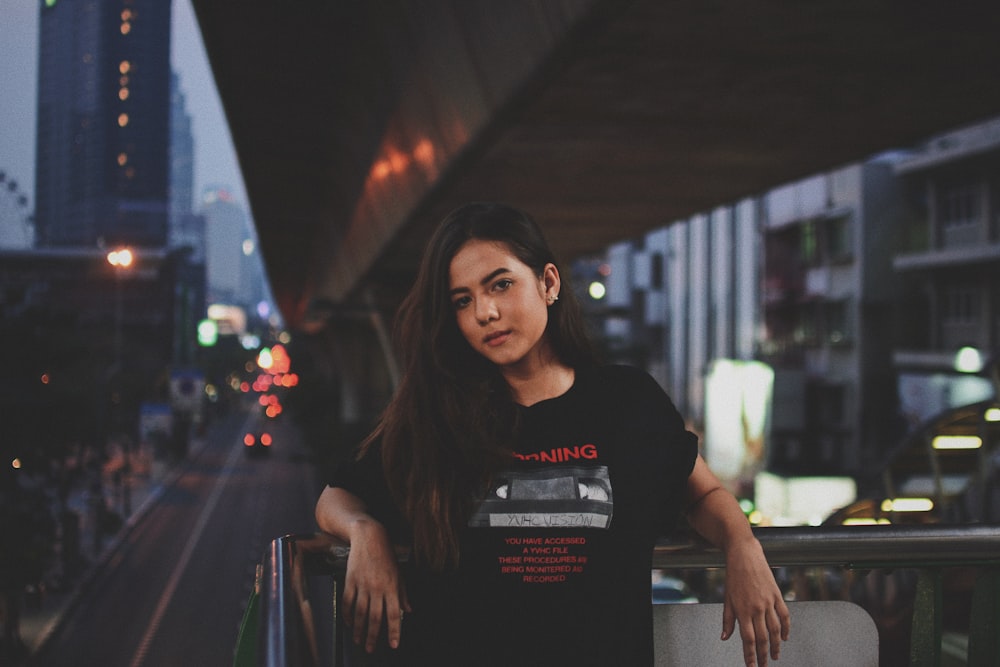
point(102, 168)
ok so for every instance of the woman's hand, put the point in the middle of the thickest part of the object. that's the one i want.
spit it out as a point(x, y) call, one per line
point(373, 589)
point(752, 596)
point(755, 602)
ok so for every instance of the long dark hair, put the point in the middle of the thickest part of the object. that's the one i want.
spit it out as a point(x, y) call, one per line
point(452, 420)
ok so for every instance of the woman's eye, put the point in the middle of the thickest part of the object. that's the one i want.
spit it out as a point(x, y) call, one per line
point(461, 302)
point(503, 283)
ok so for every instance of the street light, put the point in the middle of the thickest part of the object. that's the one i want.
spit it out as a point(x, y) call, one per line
point(121, 260)
point(121, 257)
point(969, 360)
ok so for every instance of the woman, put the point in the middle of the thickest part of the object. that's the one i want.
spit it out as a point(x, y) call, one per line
point(530, 481)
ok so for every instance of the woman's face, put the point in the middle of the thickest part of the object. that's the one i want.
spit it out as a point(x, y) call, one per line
point(501, 306)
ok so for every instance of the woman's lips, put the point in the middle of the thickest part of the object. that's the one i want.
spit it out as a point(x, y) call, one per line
point(496, 338)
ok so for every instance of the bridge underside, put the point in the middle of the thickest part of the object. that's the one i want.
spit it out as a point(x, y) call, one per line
point(358, 124)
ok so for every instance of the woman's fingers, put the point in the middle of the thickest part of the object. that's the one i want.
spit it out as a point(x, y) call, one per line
point(785, 619)
point(754, 642)
point(360, 615)
point(761, 631)
point(394, 621)
point(728, 621)
point(373, 592)
point(348, 603)
point(779, 624)
point(374, 625)
point(365, 614)
point(762, 640)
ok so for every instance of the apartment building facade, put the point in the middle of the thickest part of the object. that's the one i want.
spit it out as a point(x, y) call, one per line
point(948, 255)
point(856, 288)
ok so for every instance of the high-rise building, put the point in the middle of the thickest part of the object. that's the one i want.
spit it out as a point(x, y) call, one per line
point(186, 228)
point(181, 152)
point(227, 227)
point(102, 168)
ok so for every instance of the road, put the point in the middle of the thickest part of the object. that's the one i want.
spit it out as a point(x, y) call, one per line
point(174, 593)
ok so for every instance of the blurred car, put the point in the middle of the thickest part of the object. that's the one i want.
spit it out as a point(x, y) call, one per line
point(876, 511)
point(671, 590)
point(257, 440)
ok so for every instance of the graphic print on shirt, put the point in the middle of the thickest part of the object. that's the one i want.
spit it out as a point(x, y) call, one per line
point(557, 504)
point(552, 497)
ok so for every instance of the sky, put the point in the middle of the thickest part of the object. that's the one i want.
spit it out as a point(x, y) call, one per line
point(215, 159)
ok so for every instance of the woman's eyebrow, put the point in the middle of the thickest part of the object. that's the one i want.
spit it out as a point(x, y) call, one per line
point(490, 276)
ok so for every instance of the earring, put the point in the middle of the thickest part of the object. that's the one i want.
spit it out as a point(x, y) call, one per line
point(552, 299)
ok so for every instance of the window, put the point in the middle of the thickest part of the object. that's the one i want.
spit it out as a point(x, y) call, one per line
point(960, 305)
point(656, 271)
point(959, 206)
point(832, 405)
point(807, 329)
point(961, 314)
point(838, 239)
point(809, 243)
point(837, 322)
point(958, 211)
point(823, 323)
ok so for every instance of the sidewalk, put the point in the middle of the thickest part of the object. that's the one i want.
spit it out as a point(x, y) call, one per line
point(40, 617)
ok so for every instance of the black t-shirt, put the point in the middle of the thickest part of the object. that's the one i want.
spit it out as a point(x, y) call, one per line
point(555, 564)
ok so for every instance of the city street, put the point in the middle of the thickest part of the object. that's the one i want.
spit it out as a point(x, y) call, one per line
point(175, 590)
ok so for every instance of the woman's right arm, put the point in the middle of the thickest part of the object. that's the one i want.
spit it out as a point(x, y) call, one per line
point(372, 588)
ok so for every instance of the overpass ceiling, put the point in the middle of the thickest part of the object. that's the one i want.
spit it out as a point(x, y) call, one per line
point(603, 119)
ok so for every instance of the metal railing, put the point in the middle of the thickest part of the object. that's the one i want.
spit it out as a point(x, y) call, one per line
point(280, 628)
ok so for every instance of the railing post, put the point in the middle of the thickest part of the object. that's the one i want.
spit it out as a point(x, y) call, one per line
point(338, 625)
point(925, 641)
point(984, 636)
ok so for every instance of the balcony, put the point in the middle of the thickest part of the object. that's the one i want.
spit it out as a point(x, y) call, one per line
point(980, 254)
point(281, 629)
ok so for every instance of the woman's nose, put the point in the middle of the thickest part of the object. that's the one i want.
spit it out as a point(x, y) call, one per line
point(486, 310)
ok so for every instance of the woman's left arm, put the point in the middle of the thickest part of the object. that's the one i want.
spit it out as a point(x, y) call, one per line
point(752, 595)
